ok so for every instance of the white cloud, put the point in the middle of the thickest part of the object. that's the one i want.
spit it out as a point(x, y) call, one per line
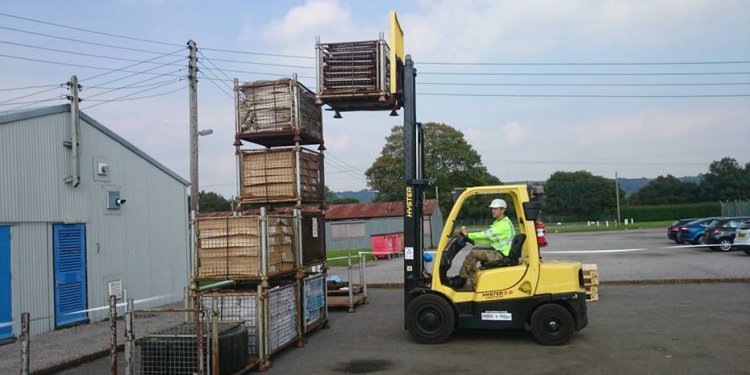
point(513, 132)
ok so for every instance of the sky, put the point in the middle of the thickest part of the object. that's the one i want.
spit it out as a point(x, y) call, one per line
point(637, 88)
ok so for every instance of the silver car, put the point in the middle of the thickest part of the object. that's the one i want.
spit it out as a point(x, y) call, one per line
point(742, 239)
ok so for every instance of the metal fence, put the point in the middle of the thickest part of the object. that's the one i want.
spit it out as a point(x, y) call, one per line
point(735, 208)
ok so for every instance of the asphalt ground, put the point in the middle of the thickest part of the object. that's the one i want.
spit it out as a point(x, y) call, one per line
point(683, 303)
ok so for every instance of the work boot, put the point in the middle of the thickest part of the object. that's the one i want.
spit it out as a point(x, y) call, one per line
point(457, 281)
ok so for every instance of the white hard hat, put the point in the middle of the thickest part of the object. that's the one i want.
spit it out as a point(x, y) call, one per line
point(498, 203)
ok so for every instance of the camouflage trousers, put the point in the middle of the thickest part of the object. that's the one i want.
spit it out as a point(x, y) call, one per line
point(477, 254)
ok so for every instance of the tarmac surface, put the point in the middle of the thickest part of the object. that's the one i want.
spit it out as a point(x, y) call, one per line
point(662, 309)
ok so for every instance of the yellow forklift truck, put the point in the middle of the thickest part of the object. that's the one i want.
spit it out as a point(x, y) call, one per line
point(518, 292)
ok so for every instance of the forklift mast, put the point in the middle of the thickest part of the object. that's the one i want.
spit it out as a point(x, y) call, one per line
point(414, 183)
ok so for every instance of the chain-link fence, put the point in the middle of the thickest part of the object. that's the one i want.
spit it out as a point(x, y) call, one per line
point(735, 208)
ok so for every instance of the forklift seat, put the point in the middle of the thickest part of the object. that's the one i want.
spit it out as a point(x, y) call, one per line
point(516, 246)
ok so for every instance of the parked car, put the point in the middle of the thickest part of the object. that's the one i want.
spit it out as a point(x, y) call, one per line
point(675, 227)
point(721, 232)
point(742, 240)
point(693, 232)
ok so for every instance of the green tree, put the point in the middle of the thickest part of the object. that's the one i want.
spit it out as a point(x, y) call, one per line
point(726, 180)
point(450, 162)
point(666, 190)
point(212, 202)
point(331, 198)
point(580, 196)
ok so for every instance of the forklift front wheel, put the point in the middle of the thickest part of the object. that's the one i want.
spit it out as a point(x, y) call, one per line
point(430, 319)
point(552, 324)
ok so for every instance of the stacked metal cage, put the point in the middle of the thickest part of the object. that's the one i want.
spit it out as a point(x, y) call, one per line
point(354, 76)
point(267, 248)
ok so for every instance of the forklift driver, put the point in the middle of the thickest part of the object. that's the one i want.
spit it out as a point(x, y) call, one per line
point(492, 244)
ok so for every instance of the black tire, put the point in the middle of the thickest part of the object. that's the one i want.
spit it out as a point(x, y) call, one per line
point(725, 244)
point(552, 324)
point(430, 319)
point(701, 240)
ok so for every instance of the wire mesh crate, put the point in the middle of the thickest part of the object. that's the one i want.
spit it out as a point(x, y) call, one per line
point(314, 301)
point(278, 113)
point(230, 248)
point(283, 317)
point(237, 305)
point(313, 238)
point(355, 75)
point(280, 175)
point(174, 350)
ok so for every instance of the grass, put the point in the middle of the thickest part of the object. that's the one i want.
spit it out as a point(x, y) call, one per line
point(584, 227)
point(342, 253)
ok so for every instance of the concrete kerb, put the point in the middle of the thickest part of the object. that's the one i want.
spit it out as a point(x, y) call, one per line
point(618, 282)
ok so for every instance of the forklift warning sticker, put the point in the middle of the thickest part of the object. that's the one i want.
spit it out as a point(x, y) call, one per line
point(409, 253)
point(497, 315)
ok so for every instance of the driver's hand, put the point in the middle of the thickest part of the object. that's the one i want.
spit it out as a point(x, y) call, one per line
point(464, 232)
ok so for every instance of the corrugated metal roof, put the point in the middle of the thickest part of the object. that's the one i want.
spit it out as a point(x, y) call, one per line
point(10, 117)
point(373, 210)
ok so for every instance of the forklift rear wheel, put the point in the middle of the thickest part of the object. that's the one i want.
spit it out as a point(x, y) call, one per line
point(430, 319)
point(552, 324)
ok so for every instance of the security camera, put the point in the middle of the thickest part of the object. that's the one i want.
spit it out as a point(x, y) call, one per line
point(120, 201)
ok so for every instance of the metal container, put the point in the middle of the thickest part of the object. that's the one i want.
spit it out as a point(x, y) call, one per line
point(289, 174)
point(314, 301)
point(355, 76)
point(232, 247)
point(278, 113)
point(234, 306)
point(313, 238)
point(283, 316)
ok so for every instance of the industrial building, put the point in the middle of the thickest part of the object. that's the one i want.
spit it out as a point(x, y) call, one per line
point(350, 226)
point(84, 214)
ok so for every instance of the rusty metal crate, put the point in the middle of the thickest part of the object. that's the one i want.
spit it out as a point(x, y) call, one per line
point(278, 113)
point(229, 248)
point(289, 174)
point(355, 76)
point(313, 238)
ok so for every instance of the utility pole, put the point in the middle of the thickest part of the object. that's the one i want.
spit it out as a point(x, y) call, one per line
point(617, 196)
point(75, 129)
point(193, 79)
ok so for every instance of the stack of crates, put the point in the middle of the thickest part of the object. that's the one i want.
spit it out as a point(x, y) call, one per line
point(275, 236)
point(591, 281)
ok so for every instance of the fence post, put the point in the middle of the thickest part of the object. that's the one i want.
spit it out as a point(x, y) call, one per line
point(129, 338)
point(25, 329)
point(214, 342)
point(351, 283)
point(363, 275)
point(113, 332)
point(199, 342)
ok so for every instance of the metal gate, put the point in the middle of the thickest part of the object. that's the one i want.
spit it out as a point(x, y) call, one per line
point(6, 297)
point(70, 274)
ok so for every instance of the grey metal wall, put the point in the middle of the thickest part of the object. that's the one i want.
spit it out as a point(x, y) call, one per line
point(144, 244)
point(381, 226)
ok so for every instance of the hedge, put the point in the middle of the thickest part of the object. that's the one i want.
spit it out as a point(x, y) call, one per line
point(671, 211)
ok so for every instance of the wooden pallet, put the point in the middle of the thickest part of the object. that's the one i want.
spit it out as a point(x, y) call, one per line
point(340, 298)
point(591, 281)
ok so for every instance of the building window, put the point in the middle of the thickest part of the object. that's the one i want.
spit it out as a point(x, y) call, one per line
point(348, 230)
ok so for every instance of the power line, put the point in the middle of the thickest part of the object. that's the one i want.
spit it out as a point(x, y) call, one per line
point(136, 84)
point(217, 68)
point(28, 95)
point(258, 53)
point(122, 98)
point(584, 74)
point(139, 63)
point(36, 102)
point(203, 75)
point(88, 30)
point(588, 84)
point(31, 101)
point(77, 53)
point(78, 65)
point(583, 63)
point(81, 41)
point(585, 96)
point(28, 87)
point(265, 64)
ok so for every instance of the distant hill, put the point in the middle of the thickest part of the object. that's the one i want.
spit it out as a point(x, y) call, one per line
point(364, 195)
point(631, 185)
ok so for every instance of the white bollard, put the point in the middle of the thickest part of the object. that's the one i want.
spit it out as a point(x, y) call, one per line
point(606, 223)
point(632, 221)
point(588, 223)
point(626, 221)
point(597, 223)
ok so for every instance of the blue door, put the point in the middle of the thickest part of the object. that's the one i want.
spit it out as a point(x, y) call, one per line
point(6, 310)
point(70, 274)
